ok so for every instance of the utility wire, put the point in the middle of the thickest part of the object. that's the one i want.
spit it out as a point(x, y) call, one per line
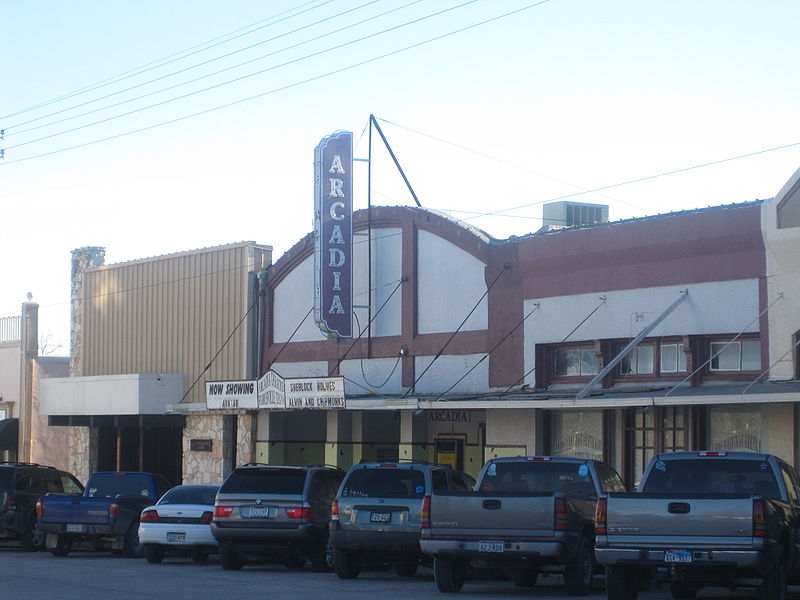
point(286, 343)
point(282, 88)
point(488, 354)
point(784, 355)
point(197, 65)
point(361, 360)
point(505, 268)
point(521, 379)
point(166, 60)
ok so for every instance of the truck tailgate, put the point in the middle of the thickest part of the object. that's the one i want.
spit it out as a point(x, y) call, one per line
point(75, 509)
point(676, 515)
point(472, 514)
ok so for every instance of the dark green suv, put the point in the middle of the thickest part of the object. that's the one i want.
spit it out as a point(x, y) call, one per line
point(21, 485)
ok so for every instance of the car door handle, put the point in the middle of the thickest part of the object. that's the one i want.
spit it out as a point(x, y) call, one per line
point(492, 504)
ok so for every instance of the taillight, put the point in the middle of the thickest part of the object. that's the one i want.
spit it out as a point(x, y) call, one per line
point(561, 514)
point(335, 510)
point(223, 511)
point(149, 516)
point(425, 513)
point(39, 509)
point(759, 518)
point(206, 517)
point(299, 512)
point(113, 510)
point(707, 453)
point(600, 517)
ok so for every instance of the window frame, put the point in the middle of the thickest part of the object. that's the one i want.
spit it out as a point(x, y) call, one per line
point(580, 347)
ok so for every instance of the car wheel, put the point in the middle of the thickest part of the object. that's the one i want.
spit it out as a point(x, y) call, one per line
point(621, 584)
point(153, 553)
point(405, 569)
point(62, 547)
point(449, 574)
point(524, 577)
point(32, 539)
point(346, 564)
point(199, 556)
point(230, 560)
point(680, 591)
point(774, 584)
point(322, 558)
point(131, 546)
point(578, 575)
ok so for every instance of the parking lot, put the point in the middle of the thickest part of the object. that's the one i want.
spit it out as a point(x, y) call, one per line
point(99, 575)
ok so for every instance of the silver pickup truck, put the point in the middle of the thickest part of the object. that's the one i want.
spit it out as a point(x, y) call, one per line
point(529, 514)
point(703, 519)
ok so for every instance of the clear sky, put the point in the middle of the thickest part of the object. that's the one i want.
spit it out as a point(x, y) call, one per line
point(484, 114)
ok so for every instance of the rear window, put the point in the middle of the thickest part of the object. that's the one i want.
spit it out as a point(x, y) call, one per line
point(387, 483)
point(538, 476)
point(6, 479)
point(111, 486)
point(265, 481)
point(190, 495)
point(712, 475)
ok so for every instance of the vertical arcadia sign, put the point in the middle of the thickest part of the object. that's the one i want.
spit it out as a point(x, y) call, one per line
point(333, 234)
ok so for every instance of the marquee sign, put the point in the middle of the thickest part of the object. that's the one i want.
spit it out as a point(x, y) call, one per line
point(333, 234)
point(273, 392)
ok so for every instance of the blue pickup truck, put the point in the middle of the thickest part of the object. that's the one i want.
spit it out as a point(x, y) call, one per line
point(106, 516)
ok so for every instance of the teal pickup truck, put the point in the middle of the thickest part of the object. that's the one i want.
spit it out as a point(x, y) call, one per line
point(106, 516)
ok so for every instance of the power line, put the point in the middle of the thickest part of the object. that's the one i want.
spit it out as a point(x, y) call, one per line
point(165, 60)
point(240, 78)
point(197, 65)
point(279, 89)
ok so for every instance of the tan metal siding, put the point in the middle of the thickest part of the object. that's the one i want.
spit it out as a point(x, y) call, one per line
point(171, 314)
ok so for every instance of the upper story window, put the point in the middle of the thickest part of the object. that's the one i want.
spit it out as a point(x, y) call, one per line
point(639, 361)
point(673, 358)
point(744, 355)
point(575, 362)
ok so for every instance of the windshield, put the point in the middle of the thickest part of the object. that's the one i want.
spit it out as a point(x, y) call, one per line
point(538, 476)
point(712, 475)
point(265, 481)
point(386, 483)
point(190, 494)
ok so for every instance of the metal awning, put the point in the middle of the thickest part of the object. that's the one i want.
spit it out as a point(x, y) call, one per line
point(9, 434)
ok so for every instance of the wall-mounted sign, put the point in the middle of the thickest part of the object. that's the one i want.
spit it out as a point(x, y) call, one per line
point(271, 391)
point(333, 234)
point(231, 394)
point(203, 445)
point(315, 392)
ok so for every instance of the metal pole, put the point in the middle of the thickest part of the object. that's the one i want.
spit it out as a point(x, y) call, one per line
point(394, 158)
point(369, 241)
point(627, 349)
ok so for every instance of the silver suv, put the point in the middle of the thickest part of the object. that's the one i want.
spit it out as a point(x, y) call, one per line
point(376, 514)
point(278, 512)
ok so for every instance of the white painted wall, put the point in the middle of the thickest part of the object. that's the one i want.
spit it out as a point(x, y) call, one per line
point(716, 307)
point(10, 366)
point(301, 369)
point(450, 282)
point(447, 370)
point(292, 299)
point(783, 277)
point(383, 376)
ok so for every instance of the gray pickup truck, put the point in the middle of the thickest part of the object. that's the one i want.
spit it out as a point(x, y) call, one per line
point(529, 514)
point(703, 519)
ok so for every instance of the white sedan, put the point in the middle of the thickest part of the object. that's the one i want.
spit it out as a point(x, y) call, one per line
point(180, 520)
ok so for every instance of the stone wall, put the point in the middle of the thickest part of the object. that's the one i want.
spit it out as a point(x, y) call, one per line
point(201, 467)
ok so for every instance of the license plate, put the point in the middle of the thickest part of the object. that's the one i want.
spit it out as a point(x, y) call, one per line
point(677, 556)
point(176, 538)
point(257, 512)
point(491, 546)
point(380, 517)
point(75, 528)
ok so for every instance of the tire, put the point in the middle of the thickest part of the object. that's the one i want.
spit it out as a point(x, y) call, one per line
point(774, 585)
point(346, 564)
point(578, 575)
point(322, 560)
point(621, 584)
point(230, 560)
point(449, 574)
point(32, 539)
point(62, 547)
point(154, 553)
point(523, 577)
point(294, 562)
point(199, 556)
point(131, 546)
point(405, 569)
point(681, 591)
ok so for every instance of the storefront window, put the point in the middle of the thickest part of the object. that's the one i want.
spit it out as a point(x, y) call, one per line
point(578, 434)
point(735, 428)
